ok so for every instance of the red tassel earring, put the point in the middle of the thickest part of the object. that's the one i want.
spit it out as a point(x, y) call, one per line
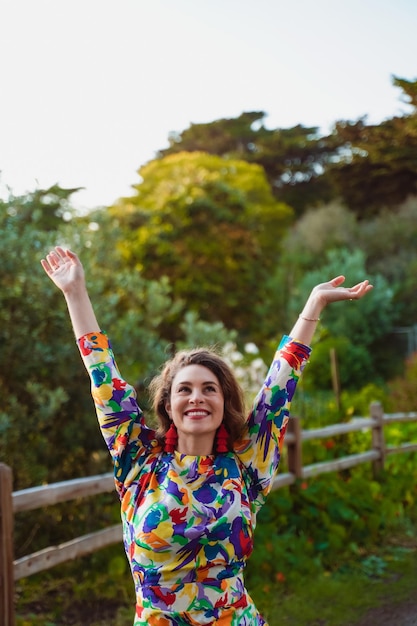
point(222, 437)
point(171, 438)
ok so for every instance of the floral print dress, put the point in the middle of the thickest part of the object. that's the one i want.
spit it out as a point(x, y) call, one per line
point(188, 521)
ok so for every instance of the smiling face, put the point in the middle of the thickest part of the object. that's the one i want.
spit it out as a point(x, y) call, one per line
point(196, 406)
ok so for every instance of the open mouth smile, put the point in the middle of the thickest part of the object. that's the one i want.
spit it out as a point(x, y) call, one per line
point(196, 414)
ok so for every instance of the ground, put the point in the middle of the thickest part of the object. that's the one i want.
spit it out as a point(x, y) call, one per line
point(404, 614)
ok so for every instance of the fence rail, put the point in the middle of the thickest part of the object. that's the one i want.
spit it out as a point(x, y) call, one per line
point(47, 495)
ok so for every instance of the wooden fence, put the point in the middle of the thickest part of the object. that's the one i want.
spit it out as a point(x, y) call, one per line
point(37, 497)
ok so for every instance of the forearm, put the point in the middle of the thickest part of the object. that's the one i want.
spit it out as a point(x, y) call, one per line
point(306, 324)
point(81, 311)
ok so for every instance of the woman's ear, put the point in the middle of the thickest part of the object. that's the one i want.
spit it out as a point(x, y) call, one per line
point(168, 408)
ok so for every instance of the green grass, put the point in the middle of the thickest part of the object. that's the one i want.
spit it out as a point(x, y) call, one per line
point(342, 599)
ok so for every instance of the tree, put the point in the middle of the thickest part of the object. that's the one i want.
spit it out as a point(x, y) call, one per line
point(294, 159)
point(236, 137)
point(212, 226)
point(409, 88)
point(389, 242)
point(44, 209)
point(379, 169)
point(37, 352)
point(368, 167)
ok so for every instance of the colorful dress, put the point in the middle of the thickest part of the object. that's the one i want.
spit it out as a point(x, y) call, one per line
point(188, 521)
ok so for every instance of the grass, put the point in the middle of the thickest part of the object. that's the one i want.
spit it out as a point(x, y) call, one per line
point(342, 599)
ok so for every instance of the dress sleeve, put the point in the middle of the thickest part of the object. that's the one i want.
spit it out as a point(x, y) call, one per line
point(259, 450)
point(121, 420)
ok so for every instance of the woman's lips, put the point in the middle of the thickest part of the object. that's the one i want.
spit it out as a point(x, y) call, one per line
point(197, 414)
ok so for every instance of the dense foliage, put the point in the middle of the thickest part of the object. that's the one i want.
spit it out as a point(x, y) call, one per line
point(213, 227)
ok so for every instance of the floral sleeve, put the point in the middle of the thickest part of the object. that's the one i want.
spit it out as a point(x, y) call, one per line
point(259, 450)
point(121, 420)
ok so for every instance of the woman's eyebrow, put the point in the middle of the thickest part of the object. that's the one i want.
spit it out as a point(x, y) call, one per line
point(187, 382)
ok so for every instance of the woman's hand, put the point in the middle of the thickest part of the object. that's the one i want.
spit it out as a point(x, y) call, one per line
point(332, 291)
point(322, 295)
point(64, 269)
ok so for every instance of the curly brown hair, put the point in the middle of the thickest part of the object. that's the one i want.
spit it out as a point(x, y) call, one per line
point(234, 404)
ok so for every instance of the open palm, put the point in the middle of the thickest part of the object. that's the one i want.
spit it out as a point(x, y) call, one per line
point(332, 291)
point(64, 268)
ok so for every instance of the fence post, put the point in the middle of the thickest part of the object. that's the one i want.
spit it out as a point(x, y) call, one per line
point(294, 448)
point(378, 440)
point(6, 546)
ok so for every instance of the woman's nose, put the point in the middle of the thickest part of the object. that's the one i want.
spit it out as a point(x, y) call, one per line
point(196, 397)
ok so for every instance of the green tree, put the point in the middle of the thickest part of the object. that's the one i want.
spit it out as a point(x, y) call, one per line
point(294, 159)
point(212, 226)
point(38, 357)
point(409, 89)
point(44, 209)
point(389, 242)
point(318, 230)
point(379, 169)
point(368, 166)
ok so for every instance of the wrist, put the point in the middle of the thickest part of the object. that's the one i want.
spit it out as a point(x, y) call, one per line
point(313, 308)
point(308, 319)
point(75, 291)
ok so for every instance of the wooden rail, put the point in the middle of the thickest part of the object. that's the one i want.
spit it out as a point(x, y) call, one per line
point(47, 495)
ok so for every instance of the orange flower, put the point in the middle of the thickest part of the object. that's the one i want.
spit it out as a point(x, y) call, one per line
point(280, 577)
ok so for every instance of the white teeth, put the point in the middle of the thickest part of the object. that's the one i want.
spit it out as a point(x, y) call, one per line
point(202, 413)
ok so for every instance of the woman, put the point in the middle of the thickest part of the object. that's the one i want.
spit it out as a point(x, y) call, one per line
point(191, 490)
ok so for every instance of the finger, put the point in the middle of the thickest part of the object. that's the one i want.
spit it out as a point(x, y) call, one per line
point(53, 259)
point(46, 266)
point(73, 256)
point(67, 255)
point(61, 252)
point(337, 281)
point(360, 289)
point(360, 285)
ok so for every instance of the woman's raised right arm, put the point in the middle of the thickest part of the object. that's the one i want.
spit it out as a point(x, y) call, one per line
point(65, 270)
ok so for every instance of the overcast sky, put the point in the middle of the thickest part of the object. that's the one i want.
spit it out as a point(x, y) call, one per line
point(92, 88)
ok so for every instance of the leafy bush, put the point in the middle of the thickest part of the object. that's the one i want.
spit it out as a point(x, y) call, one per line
point(325, 523)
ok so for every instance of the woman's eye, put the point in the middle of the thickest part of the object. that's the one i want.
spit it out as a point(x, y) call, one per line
point(181, 389)
point(210, 388)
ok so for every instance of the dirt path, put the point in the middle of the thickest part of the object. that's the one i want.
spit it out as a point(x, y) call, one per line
point(404, 614)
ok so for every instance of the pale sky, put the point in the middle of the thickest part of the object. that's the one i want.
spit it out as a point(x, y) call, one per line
point(92, 88)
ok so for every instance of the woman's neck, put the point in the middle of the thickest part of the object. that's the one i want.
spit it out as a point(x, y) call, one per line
point(195, 446)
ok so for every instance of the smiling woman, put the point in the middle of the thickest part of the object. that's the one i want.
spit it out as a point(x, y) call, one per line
point(197, 393)
point(190, 492)
point(196, 407)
